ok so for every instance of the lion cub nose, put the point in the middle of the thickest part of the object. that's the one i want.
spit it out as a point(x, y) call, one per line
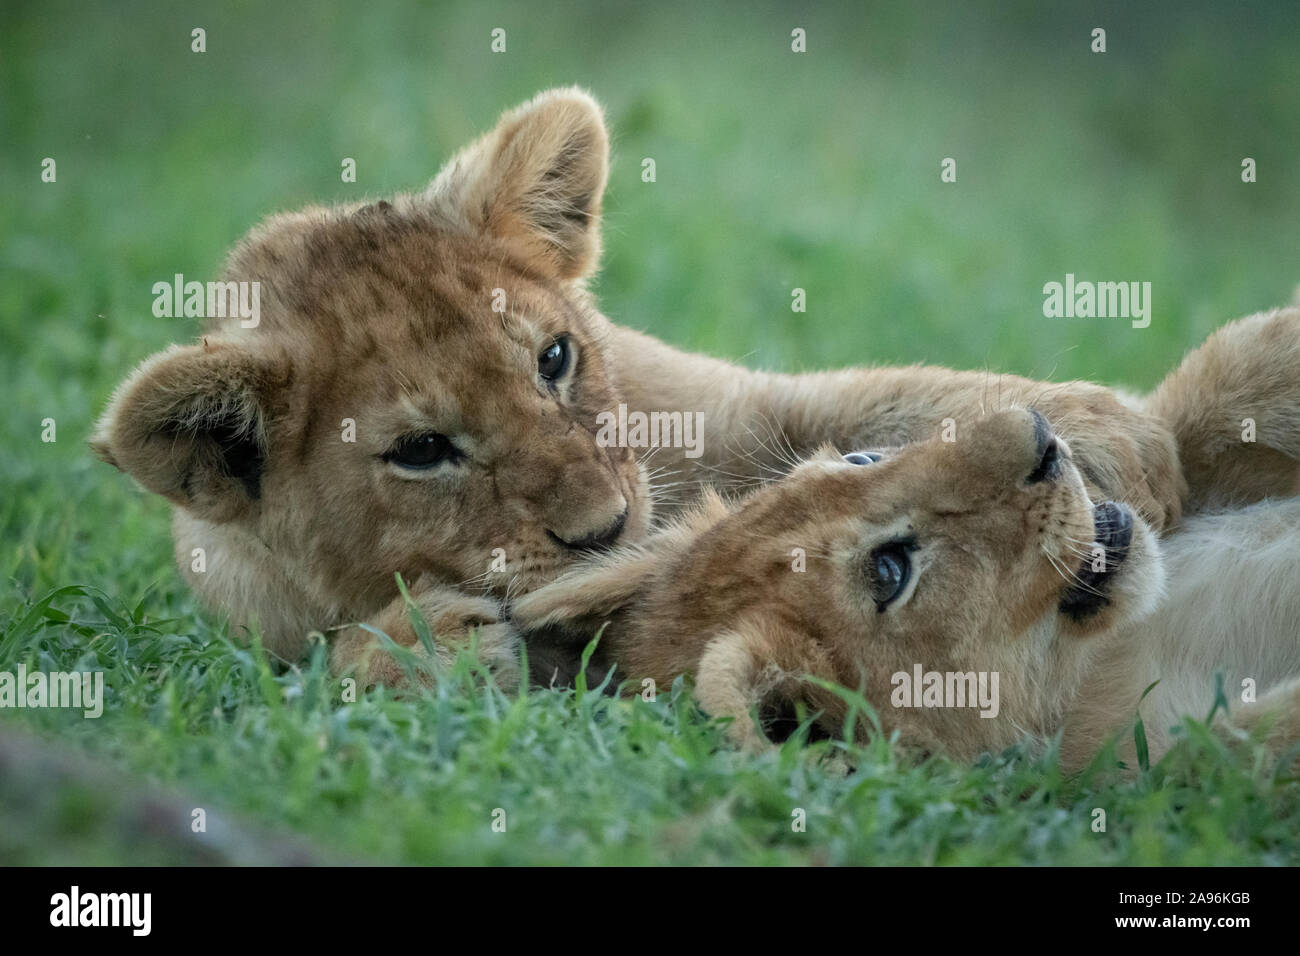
point(601, 538)
point(1047, 452)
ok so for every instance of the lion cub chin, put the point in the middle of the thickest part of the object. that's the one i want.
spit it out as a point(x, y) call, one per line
point(972, 591)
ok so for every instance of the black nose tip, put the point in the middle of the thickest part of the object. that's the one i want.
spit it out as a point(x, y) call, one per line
point(863, 457)
point(597, 539)
point(1047, 452)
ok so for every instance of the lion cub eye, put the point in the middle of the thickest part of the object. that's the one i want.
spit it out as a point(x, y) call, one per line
point(863, 457)
point(889, 568)
point(419, 452)
point(554, 360)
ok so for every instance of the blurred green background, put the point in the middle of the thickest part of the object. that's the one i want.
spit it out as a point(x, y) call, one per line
point(775, 170)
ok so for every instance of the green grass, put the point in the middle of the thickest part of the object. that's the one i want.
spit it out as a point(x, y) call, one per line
point(774, 171)
point(584, 778)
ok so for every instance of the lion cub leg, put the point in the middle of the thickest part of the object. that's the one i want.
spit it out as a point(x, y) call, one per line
point(453, 618)
point(1234, 407)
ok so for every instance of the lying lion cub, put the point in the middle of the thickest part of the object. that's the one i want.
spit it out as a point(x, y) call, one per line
point(986, 558)
point(421, 395)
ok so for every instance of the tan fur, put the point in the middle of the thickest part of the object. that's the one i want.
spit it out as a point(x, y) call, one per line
point(725, 604)
point(761, 420)
point(1209, 400)
point(717, 594)
point(1231, 605)
point(380, 314)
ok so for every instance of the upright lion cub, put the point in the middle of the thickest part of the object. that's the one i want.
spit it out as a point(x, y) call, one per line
point(385, 417)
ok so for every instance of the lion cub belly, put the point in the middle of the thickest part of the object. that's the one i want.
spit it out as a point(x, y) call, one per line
point(1231, 607)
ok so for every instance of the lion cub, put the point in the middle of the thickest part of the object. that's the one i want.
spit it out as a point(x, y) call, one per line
point(984, 562)
point(422, 396)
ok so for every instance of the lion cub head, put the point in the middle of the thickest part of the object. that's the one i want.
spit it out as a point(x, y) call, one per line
point(976, 557)
point(419, 394)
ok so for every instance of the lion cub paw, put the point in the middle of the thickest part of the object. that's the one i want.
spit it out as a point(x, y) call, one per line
point(453, 618)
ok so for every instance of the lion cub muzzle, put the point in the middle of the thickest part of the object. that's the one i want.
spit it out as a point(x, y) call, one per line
point(603, 538)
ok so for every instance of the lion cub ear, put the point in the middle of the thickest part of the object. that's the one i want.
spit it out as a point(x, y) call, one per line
point(189, 425)
point(535, 182)
point(760, 669)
